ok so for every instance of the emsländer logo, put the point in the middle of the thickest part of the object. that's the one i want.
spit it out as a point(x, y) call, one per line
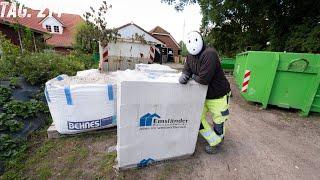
point(146, 120)
point(154, 121)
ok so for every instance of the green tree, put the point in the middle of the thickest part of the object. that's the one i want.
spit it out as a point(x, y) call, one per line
point(95, 29)
point(232, 26)
point(184, 51)
point(86, 38)
point(9, 58)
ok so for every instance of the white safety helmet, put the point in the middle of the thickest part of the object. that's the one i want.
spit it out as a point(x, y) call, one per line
point(194, 42)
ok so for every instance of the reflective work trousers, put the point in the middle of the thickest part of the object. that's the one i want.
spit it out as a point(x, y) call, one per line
point(219, 109)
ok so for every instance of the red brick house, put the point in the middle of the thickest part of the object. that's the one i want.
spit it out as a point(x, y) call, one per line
point(166, 37)
point(62, 29)
point(57, 32)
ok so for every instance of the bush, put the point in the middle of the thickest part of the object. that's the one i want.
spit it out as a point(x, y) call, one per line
point(38, 68)
point(87, 59)
point(25, 110)
point(10, 147)
point(5, 95)
point(14, 83)
point(11, 122)
point(9, 58)
point(8, 123)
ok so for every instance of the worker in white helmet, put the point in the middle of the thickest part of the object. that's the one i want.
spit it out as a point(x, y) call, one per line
point(203, 65)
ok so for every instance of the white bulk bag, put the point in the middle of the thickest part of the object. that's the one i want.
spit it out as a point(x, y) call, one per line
point(79, 104)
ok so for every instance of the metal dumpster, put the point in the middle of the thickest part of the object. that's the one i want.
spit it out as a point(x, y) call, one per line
point(289, 80)
point(227, 63)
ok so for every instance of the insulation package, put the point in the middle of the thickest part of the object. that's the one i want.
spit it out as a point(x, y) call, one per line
point(89, 72)
point(154, 68)
point(82, 103)
point(157, 118)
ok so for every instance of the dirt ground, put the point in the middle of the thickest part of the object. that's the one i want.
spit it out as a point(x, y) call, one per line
point(259, 144)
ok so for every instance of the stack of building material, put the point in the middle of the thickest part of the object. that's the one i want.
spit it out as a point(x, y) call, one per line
point(88, 73)
point(154, 68)
point(158, 118)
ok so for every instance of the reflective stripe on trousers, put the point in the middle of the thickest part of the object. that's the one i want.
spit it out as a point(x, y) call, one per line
point(212, 138)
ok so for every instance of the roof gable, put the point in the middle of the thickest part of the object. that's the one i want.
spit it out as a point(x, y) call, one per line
point(49, 18)
point(168, 41)
point(127, 31)
point(159, 29)
point(54, 16)
point(164, 36)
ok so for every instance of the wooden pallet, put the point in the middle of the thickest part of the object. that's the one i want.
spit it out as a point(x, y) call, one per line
point(157, 163)
point(54, 134)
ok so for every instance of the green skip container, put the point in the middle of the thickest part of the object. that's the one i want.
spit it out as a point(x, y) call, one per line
point(227, 63)
point(288, 80)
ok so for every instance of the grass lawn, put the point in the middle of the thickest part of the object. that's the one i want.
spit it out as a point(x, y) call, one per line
point(82, 156)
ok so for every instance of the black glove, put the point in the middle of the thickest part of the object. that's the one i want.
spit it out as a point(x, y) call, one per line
point(183, 79)
point(195, 77)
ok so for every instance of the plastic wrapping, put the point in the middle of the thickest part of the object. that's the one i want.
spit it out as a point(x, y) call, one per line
point(158, 118)
point(89, 72)
point(154, 68)
point(78, 104)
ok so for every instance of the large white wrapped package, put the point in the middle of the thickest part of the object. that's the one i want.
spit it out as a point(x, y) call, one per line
point(78, 104)
point(154, 68)
point(145, 76)
point(157, 118)
point(89, 72)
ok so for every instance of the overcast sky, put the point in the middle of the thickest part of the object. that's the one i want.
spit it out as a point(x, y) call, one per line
point(145, 13)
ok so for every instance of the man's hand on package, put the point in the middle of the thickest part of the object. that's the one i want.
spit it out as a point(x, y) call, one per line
point(194, 77)
point(183, 79)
